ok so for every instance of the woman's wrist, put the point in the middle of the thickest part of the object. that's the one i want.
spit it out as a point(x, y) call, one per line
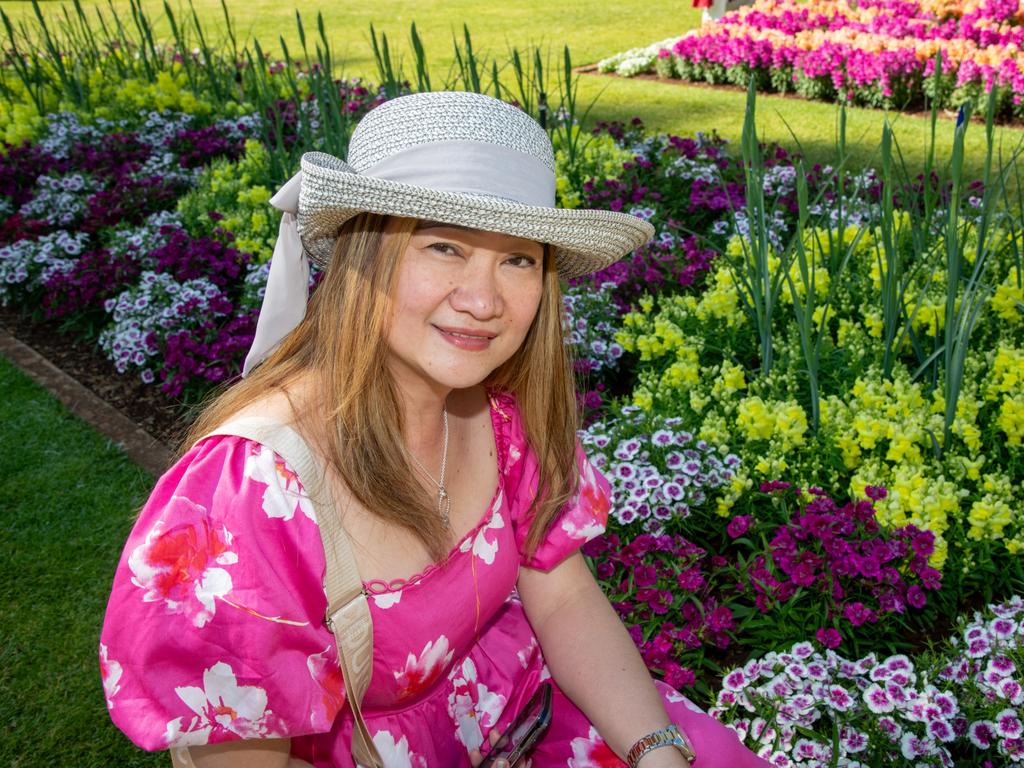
point(663, 758)
point(669, 744)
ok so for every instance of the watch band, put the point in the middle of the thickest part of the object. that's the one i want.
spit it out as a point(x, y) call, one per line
point(666, 737)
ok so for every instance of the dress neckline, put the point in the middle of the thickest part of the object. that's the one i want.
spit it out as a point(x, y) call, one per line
point(499, 415)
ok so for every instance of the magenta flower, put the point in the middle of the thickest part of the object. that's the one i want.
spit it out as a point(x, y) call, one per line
point(857, 614)
point(828, 637)
point(739, 525)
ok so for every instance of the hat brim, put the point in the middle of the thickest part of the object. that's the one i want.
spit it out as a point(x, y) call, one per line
point(585, 240)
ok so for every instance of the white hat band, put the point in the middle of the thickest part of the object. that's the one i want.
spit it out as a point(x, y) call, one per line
point(472, 168)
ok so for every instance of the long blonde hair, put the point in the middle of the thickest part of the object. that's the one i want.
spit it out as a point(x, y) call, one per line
point(341, 347)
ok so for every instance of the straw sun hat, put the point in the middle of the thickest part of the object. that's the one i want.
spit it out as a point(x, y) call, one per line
point(458, 158)
point(449, 157)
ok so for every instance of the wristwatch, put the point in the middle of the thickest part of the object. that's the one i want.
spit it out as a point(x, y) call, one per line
point(666, 737)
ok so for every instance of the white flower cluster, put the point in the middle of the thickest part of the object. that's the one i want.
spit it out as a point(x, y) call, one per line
point(147, 313)
point(635, 61)
point(657, 471)
point(255, 287)
point(157, 131)
point(241, 128)
point(60, 201)
point(788, 707)
point(30, 263)
point(695, 169)
point(989, 666)
point(141, 240)
point(65, 129)
point(255, 283)
point(590, 323)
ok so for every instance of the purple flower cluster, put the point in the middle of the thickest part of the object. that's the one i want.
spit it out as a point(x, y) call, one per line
point(187, 258)
point(196, 147)
point(668, 261)
point(208, 353)
point(95, 276)
point(661, 590)
point(840, 555)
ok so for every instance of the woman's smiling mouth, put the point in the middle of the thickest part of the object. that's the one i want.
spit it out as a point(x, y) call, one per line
point(466, 338)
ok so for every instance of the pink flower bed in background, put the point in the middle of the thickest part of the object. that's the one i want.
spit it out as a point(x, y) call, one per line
point(878, 53)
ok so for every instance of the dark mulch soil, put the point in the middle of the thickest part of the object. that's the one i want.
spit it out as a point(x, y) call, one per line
point(163, 418)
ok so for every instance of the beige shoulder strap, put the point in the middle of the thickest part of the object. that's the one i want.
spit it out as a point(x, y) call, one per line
point(348, 612)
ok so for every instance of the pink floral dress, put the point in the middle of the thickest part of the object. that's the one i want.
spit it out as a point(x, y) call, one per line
point(214, 630)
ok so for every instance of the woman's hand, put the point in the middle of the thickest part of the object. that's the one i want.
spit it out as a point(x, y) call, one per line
point(476, 756)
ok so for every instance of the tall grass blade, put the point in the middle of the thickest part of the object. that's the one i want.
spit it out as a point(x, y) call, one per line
point(422, 70)
point(229, 28)
point(33, 82)
point(387, 76)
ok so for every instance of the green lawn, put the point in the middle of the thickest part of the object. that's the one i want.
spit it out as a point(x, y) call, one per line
point(68, 498)
point(592, 30)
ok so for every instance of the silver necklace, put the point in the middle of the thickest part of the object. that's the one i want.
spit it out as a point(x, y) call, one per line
point(444, 501)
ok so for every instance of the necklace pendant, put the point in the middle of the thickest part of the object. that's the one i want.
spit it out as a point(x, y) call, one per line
point(444, 508)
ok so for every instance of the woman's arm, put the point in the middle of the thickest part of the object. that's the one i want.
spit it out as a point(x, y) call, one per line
point(593, 659)
point(262, 753)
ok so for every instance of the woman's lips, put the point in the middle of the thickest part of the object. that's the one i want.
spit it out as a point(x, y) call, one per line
point(466, 338)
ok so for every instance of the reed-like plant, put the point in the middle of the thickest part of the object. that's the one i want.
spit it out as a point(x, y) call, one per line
point(759, 281)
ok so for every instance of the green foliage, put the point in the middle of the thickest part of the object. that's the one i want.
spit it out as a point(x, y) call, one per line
point(239, 192)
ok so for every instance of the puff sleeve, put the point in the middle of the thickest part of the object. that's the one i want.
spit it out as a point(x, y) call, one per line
point(581, 519)
point(214, 629)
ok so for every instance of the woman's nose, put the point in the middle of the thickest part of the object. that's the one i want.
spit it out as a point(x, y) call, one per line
point(477, 292)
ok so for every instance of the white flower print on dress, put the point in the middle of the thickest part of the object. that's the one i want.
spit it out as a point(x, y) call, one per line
point(527, 654)
point(222, 707)
point(324, 669)
point(178, 565)
point(673, 696)
point(385, 600)
point(420, 673)
point(110, 673)
point(284, 493)
point(396, 754)
point(485, 548)
point(472, 706)
point(592, 752)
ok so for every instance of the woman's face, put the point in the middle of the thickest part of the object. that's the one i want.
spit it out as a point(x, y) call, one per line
point(462, 305)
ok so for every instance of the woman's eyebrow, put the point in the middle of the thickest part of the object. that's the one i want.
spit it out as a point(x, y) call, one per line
point(440, 224)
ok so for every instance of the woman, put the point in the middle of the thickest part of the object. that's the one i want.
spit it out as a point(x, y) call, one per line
point(430, 379)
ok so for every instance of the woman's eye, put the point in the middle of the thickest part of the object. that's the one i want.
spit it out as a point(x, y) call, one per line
point(446, 248)
point(522, 261)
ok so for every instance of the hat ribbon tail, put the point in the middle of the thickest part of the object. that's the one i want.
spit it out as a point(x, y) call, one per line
point(284, 303)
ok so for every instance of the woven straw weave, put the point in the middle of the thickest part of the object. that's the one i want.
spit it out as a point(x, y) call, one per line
point(445, 116)
point(334, 191)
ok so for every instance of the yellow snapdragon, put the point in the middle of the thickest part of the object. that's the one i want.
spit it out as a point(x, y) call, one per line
point(1008, 299)
point(762, 421)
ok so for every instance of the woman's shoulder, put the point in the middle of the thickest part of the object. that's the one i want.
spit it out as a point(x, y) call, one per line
point(277, 406)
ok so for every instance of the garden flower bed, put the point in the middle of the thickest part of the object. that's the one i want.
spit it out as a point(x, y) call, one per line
point(805, 390)
point(876, 53)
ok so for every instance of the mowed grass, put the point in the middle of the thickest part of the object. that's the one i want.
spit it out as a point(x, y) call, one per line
point(592, 30)
point(68, 498)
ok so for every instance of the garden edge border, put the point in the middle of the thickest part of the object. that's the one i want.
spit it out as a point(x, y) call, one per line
point(140, 446)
